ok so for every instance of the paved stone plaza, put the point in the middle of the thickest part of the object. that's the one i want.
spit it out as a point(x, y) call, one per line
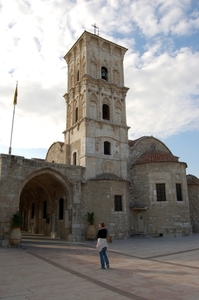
point(141, 268)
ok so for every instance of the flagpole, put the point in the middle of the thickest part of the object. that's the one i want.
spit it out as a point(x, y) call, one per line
point(13, 116)
point(10, 148)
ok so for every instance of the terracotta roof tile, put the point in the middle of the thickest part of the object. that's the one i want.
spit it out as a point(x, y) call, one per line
point(156, 156)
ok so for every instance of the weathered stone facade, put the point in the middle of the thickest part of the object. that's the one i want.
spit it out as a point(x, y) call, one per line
point(135, 187)
point(56, 153)
point(98, 196)
point(25, 182)
point(193, 192)
point(96, 110)
point(152, 163)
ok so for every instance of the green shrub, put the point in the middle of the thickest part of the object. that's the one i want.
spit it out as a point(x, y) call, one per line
point(17, 219)
point(90, 218)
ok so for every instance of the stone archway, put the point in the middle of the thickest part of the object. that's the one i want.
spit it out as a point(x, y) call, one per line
point(40, 204)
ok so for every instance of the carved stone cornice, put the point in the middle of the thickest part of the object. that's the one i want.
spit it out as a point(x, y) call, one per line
point(93, 91)
point(66, 97)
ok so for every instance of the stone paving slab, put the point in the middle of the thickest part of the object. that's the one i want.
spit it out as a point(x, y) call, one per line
point(141, 268)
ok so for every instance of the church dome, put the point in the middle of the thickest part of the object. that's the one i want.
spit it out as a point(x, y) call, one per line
point(192, 180)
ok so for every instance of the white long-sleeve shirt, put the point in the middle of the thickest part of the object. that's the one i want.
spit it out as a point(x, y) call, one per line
point(101, 243)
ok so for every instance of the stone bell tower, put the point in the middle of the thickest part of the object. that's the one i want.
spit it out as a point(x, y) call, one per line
point(96, 135)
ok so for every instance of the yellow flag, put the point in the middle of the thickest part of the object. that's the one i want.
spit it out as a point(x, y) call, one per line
point(15, 95)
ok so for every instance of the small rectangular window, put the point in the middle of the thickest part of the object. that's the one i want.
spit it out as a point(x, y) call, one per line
point(118, 203)
point(179, 192)
point(107, 148)
point(161, 194)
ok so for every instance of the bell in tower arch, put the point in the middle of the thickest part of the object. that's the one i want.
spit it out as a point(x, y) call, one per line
point(104, 73)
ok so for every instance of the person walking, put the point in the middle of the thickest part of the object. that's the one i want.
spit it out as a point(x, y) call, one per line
point(102, 245)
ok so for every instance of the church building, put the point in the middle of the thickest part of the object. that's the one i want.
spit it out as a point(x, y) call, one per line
point(133, 186)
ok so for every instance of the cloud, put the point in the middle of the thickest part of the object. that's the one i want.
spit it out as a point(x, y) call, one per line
point(163, 17)
point(169, 106)
point(161, 65)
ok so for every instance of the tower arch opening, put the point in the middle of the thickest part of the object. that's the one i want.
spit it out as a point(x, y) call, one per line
point(104, 73)
point(105, 112)
point(44, 198)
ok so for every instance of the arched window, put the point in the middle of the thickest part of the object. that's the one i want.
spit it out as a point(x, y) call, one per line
point(104, 73)
point(61, 209)
point(105, 112)
point(75, 158)
point(76, 114)
point(107, 148)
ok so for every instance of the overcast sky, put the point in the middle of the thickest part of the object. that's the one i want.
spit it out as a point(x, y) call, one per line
point(161, 69)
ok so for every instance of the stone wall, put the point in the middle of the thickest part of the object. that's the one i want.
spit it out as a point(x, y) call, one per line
point(193, 191)
point(26, 181)
point(98, 197)
point(170, 217)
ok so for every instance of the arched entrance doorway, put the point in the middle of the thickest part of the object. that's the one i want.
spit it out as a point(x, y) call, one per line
point(45, 203)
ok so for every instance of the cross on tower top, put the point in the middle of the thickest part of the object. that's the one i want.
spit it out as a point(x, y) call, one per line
point(95, 27)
